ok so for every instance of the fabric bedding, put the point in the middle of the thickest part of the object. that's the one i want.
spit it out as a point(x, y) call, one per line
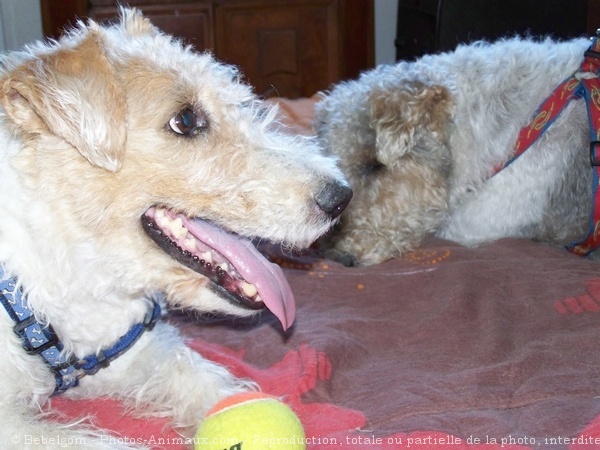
point(446, 347)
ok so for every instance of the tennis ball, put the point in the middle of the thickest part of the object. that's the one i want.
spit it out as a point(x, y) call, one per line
point(250, 421)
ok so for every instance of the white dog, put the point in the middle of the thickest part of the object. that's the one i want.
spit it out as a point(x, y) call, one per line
point(132, 166)
point(420, 143)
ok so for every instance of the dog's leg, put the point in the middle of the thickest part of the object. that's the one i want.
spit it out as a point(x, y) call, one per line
point(22, 429)
point(160, 376)
point(25, 421)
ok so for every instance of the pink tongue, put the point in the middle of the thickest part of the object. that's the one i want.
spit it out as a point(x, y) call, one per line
point(247, 260)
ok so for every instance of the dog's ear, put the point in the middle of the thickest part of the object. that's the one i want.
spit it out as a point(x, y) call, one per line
point(400, 114)
point(73, 93)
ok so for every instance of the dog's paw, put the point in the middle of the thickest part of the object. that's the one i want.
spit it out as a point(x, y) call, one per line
point(342, 257)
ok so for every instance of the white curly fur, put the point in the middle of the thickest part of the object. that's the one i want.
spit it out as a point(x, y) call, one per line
point(419, 141)
point(86, 150)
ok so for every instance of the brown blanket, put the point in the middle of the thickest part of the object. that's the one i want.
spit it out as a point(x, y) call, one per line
point(447, 347)
point(492, 343)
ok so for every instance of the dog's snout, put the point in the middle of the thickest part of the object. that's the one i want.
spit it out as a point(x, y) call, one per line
point(334, 198)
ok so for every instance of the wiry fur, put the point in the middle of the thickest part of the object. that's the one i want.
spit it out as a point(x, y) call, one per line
point(86, 150)
point(419, 141)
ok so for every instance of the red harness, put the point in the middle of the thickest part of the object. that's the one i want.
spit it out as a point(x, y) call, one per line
point(583, 83)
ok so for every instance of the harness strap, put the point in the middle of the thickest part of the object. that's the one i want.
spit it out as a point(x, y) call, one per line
point(39, 339)
point(582, 84)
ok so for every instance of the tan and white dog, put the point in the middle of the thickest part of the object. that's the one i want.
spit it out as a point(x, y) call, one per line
point(132, 166)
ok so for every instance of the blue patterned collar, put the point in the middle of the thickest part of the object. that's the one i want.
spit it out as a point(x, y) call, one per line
point(38, 339)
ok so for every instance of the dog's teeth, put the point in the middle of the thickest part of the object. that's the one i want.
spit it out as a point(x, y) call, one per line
point(190, 243)
point(249, 289)
point(177, 228)
point(163, 222)
point(207, 257)
point(201, 253)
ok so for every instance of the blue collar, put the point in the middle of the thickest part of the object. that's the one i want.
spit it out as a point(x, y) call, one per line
point(38, 339)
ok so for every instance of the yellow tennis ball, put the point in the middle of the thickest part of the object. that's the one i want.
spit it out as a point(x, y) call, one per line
point(250, 421)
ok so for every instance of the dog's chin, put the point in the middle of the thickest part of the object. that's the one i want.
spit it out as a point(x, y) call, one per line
point(239, 274)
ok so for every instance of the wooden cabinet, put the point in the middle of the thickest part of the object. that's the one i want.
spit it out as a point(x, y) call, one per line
point(289, 48)
point(429, 26)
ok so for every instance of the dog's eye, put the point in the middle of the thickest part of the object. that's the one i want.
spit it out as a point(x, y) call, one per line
point(372, 167)
point(187, 122)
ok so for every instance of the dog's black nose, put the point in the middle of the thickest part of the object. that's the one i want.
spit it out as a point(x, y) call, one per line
point(334, 198)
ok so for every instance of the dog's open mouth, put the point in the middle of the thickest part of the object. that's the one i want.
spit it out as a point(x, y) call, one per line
point(236, 268)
